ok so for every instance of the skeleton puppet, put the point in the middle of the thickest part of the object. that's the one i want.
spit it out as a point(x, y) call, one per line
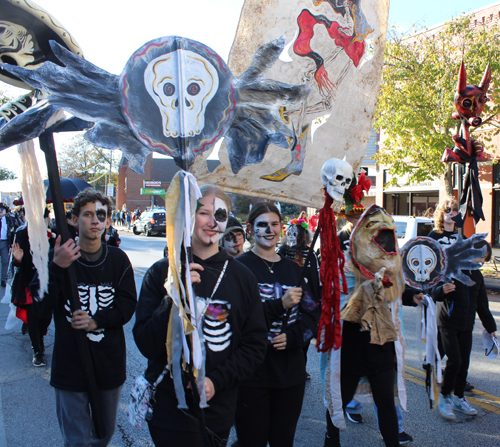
point(336, 176)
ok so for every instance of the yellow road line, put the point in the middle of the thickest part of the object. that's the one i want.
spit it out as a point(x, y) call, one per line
point(484, 400)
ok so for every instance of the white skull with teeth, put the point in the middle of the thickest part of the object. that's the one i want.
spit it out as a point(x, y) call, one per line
point(336, 176)
point(181, 95)
point(422, 261)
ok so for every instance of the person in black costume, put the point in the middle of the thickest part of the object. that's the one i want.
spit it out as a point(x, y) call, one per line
point(233, 326)
point(270, 401)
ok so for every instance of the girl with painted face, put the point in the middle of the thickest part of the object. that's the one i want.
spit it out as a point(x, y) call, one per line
point(444, 225)
point(234, 331)
point(270, 401)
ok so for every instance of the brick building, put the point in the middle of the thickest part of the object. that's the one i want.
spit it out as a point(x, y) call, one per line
point(415, 199)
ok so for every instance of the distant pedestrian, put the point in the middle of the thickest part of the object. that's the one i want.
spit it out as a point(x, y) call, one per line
point(8, 225)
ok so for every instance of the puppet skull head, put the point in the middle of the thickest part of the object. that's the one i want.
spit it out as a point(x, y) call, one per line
point(181, 83)
point(336, 176)
point(421, 261)
point(16, 43)
point(291, 235)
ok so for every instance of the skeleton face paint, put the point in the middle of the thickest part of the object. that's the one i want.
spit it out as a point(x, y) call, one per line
point(449, 214)
point(291, 235)
point(211, 220)
point(233, 242)
point(267, 230)
point(92, 221)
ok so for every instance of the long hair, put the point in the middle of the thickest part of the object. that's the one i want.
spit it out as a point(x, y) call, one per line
point(440, 212)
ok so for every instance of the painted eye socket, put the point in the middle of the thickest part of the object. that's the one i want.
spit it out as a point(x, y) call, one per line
point(370, 224)
point(415, 262)
point(261, 225)
point(220, 215)
point(101, 216)
point(193, 89)
point(467, 103)
point(169, 89)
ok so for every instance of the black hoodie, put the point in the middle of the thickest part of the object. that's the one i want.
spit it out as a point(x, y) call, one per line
point(235, 351)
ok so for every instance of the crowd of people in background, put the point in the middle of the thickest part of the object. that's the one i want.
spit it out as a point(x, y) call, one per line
point(262, 293)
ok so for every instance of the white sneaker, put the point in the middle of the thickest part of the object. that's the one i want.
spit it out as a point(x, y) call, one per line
point(444, 407)
point(463, 406)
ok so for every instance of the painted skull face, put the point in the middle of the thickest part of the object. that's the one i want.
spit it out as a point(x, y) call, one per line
point(181, 83)
point(336, 176)
point(374, 244)
point(211, 220)
point(291, 235)
point(233, 242)
point(421, 261)
point(267, 229)
point(449, 213)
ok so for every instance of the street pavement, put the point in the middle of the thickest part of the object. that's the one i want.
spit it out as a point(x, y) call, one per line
point(27, 405)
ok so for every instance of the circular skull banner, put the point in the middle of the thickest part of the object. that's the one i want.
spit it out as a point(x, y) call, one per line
point(177, 96)
point(424, 262)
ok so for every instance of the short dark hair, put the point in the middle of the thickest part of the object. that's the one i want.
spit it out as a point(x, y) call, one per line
point(87, 196)
point(4, 206)
point(488, 249)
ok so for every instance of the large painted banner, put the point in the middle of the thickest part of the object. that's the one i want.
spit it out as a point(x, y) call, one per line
point(337, 48)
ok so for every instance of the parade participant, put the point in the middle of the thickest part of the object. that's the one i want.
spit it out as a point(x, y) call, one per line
point(270, 401)
point(457, 305)
point(108, 298)
point(313, 221)
point(233, 326)
point(234, 237)
point(21, 296)
point(378, 284)
point(8, 225)
point(444, 225)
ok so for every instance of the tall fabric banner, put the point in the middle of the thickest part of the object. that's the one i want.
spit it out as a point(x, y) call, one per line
point(337, 48)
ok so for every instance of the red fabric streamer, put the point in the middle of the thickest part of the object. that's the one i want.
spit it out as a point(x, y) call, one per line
point(332, 264)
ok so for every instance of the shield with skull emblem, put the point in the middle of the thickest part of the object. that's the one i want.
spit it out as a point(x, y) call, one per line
point(182, 100)
point(423, 262)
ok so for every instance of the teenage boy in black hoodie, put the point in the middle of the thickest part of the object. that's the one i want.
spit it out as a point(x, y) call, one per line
point(108, 297)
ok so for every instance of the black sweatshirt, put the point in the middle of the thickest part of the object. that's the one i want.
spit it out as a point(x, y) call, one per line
point(457, 310)
point(286, 368)
point(107, 292)
point(235, 339)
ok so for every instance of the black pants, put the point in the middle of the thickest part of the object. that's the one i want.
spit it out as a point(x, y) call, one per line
point(37, 328)
point(268, 415)
point(457, 347)
point(382, 385)
point(176, 438)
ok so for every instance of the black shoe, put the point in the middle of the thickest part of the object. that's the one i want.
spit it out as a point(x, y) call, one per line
point(39, 360)
point(355, 418)
point(332, 442)
point(468, 386)
point(404, 438)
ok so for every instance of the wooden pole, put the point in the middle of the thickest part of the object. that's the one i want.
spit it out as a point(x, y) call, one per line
point(47, 145)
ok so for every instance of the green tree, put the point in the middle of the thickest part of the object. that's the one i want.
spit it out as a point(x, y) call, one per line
point(416, 97)
point(80, 159)
point(289, 210)
point(6, 174)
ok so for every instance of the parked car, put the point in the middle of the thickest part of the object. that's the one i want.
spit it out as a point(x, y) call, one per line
point(150, 223)
point(408, 227)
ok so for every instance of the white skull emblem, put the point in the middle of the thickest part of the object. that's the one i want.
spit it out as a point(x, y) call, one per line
point(181, 83)
point(421, 261)
point(16, 43)
point(336, 176)
point(291, 235)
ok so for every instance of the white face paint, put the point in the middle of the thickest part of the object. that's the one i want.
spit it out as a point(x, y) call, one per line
point(233, 242)
point(92, 221)
point(267, 230)
point(291, 235)
point(449, 214)
point(211, 220)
